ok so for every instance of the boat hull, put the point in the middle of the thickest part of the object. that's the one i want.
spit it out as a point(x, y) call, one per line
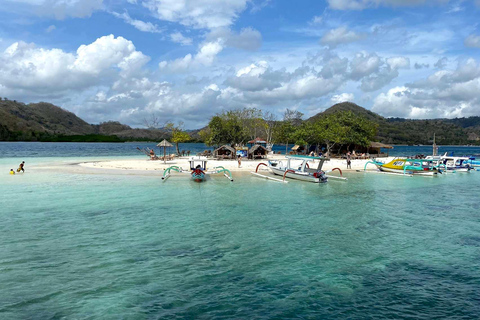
point(297, 175)
point(401, 171)
point(198, 177)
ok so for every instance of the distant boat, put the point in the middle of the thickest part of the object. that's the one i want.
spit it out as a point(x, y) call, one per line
point(424, 167)
point(452, 163)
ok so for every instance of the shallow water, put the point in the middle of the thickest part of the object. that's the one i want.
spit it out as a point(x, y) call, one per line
point(105, 246)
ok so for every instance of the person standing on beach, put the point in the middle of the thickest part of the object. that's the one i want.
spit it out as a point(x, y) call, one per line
point(21, 167)
point(349, 160)
point(239, 161)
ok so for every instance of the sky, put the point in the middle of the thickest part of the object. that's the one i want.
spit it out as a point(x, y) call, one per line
point(187, 60)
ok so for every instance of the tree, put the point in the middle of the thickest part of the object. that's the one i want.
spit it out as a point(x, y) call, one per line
point(178, 135)
point(270, 124)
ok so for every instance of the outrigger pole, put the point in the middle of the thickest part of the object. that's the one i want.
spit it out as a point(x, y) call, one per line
point(266, 177)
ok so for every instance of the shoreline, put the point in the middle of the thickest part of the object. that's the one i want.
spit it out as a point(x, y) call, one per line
point(142, 166)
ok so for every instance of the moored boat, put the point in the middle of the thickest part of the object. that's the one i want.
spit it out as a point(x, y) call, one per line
point(298, 167)
point(424, 167)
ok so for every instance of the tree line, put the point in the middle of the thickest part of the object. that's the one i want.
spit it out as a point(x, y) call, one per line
point(330, 131)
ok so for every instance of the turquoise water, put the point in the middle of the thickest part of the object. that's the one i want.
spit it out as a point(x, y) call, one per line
point(106, 246)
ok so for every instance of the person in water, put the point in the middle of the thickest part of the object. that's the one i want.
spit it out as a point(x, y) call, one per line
point(12, 171)
point(21, 167)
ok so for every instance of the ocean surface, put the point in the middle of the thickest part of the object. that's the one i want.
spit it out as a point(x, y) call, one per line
point(107, 246)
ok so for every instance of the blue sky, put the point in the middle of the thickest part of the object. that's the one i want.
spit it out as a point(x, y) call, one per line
point(185, 60)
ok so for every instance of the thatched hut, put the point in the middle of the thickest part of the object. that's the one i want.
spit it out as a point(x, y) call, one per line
point(257, 151)
point(224, 152)
point(375, 147)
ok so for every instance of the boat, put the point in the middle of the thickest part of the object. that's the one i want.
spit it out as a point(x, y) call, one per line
point(423, 167)
point(298, 167)
point(452, 163)
point(197, 170)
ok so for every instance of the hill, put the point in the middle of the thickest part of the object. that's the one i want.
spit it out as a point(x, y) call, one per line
point(47, 122)
point(406, 131)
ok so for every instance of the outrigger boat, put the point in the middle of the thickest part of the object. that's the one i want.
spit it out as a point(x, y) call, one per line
point(452, 163)
point(421, 167)
point(297, 167)
point(198, 170)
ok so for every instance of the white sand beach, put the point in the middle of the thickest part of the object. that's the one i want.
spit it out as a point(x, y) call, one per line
point(136, 165)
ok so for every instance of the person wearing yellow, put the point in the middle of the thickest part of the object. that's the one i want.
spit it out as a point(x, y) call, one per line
point(12, 172)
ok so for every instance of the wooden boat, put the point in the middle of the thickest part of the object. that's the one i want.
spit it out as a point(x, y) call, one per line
point(198, 170)
point(424, 167)
point(298, 167)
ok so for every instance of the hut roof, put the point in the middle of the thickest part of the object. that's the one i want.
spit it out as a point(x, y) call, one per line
point(164, 143)
point(257, 140)
point(225, 147)
point(380, 145)
point(255, 147)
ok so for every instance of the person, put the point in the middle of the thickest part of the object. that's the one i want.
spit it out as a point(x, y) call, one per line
point(349, 160)
point(21, 167)
point(12, 171)
point(311, 153)
point(239, 160)
point(152, 154)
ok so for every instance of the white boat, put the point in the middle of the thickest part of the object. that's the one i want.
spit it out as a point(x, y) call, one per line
point(298, 167)
point(452, 163)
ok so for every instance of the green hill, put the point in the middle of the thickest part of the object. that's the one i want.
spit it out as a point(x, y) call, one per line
point(406, 131)
point(47, 122)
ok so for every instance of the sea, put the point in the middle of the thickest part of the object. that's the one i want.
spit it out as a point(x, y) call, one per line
point(83, 245)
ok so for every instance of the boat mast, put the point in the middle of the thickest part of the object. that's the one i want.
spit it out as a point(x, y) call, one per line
point(435, 148)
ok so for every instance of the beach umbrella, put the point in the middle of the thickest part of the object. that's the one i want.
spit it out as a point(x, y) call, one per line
point(164, 144)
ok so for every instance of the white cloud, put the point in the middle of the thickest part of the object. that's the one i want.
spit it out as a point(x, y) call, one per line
point(472, 41)
point(398, 63)
point(138, 24)
point(205, 14)
point(343, 97)
point(177, 37)
point(49, 71)
point(204, 57)
point(50, 28)
point(316, 20)
point(341, 35)
point(444, 94)
point(246, 39)
point(363, 4)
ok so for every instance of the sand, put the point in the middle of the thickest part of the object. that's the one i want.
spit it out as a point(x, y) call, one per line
point(142, 164)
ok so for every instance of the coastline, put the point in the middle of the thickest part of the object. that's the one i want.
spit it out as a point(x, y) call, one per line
point(141, 166)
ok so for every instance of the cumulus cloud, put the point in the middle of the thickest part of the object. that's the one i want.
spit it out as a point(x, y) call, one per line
point(181, 39)
point(445, 93)
point(23, 66)
point(246, 39)
point(343, 97)
point(363, 4)
point(204, 57)
point(197, 14)
point(472, 41)
point(341, 35)
point(138, 24)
